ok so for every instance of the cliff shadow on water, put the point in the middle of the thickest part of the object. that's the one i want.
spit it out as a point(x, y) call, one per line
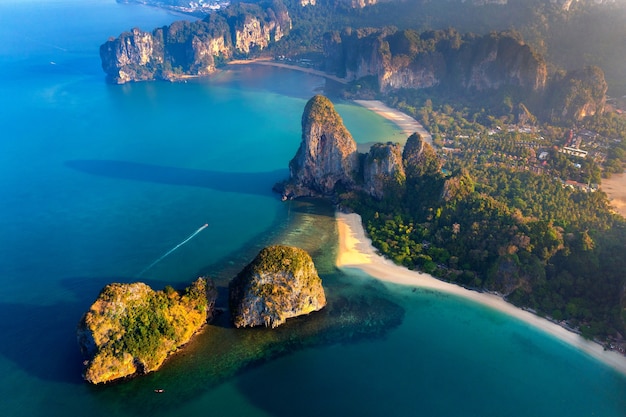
point(47, 333)
point(355, 313)
point(239, 182)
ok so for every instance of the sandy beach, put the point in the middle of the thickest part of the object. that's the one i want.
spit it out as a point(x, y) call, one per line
point(405, 122)
point(615, 188)
point(357, 253)
point(271, 63)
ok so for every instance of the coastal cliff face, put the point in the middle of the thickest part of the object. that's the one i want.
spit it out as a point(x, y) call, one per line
point(192, 48)
point(419, 158)
point(407, 59)
point(327, 156)
point(327, 162)
point(498, 60)
point(280, 283)
point(382, 165)
point(131, 329)
point(579, 93)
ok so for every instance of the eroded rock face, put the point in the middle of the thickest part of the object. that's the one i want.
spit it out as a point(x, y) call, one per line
point(406, 59)
point(192, 48)
point(131, 329)
point(382, 166)
point(419, 158)
point(327, 155)
point(280, 283)
point(579, 93)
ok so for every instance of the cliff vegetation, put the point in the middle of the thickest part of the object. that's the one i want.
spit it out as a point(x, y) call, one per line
point(280, 283)
point(327, 162)
point(131, 329)
point(194, 48)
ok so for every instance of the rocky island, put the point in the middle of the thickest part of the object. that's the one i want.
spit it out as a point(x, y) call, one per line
point(131, 329)
point(280, 283)
point(327, 162)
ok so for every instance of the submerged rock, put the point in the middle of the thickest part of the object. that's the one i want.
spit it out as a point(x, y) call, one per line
point(280, 283)
point(131, 329)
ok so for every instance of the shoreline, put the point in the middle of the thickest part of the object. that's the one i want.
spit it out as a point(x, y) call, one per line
point(615, 189)
point(406, 123)
point(271, 63)
point(357, 253)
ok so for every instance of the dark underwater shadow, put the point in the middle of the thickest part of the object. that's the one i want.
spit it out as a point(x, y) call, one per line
point(41, 340)
point(259, 183)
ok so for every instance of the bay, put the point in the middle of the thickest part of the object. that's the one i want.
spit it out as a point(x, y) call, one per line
point(98, 181)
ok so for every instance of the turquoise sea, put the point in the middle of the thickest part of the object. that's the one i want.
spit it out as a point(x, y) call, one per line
point(97, 181)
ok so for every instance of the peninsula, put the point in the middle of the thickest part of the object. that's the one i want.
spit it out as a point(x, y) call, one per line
point(441, 224)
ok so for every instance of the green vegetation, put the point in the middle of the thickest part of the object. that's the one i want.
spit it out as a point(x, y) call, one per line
point(491, 224)
point(132, 329)
point(586, 34)
point(281, 282)
point(281, 259)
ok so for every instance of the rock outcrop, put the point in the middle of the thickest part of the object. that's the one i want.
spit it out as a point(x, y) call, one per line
point(131, 329)
point(327, 156)
point(419, 158)
point(280, 283)
point(577, 94)
point(407, 59)
point(194, 48)
point(382, 166)
point(328, 164)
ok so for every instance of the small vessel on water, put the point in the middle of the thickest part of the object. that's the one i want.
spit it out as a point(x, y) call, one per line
point(159, 390)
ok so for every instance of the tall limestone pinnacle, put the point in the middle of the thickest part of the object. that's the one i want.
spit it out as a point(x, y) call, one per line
point(419, 157)
point(327, 156)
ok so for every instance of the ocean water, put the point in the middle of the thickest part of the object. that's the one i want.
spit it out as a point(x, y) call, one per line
point(98, 181)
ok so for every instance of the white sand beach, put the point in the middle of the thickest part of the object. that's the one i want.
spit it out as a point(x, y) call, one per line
point(615, 188)
point(405, 122)
point(272, 63)
point(357, 253)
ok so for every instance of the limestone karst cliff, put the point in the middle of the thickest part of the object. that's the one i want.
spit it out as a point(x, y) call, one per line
point(131, 329)
point(194, 48)
point(382, 165)
point(419, 157)
point(407, 59)
point(576, 94)
point(327, 156)
point(489, 66)
point(280, 283)
point(327, 162)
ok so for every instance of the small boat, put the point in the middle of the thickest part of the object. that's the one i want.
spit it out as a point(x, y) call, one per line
point(159, 390)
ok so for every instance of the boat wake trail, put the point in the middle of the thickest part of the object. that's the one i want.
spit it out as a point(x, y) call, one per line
point(173, 249)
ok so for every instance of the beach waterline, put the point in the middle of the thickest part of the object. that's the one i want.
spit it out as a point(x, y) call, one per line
point(357, 253)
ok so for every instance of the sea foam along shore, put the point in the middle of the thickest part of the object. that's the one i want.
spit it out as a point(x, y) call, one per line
point(356, 252)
